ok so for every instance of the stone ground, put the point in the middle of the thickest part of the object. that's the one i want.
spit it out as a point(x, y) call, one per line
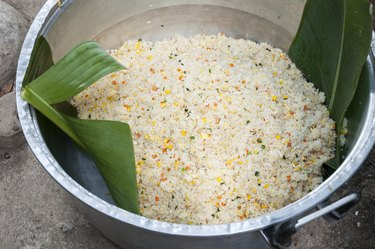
point(36, 213)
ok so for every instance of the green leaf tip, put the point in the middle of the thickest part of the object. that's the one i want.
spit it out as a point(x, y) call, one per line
point(108, 142)
point(330, 48)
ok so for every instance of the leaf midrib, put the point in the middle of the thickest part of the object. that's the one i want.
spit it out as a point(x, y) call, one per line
point(337, 74)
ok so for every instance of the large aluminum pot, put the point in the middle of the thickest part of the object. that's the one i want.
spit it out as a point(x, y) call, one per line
point(112, 22)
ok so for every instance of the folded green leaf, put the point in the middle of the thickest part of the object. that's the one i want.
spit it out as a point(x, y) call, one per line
point(108, 142)
point(330, 48)
point(40, 60)
point(61, 81)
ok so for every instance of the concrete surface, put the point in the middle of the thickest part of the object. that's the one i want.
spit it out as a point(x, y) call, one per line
point(36, 213)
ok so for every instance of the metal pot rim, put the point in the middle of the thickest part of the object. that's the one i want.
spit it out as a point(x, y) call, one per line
point(42, 23)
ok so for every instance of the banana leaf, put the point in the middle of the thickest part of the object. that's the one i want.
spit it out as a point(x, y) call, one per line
point(108, 142)
point(330, 48)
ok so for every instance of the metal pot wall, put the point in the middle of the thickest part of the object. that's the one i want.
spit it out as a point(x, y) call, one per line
point(113, 22)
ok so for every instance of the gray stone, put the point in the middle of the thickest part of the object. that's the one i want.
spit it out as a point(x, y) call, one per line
point(13, 28)
point(27, 7)
point(11, 136)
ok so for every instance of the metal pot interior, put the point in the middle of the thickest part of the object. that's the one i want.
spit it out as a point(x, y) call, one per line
point(113, 22)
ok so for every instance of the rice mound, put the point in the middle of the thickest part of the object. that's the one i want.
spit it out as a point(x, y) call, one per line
point(224, 129)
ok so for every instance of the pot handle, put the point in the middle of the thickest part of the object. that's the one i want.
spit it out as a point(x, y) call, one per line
point(279, 236)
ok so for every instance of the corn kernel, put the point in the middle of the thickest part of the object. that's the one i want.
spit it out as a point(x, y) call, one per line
point(278, 137)
point(218, 179)
point(168, 91)
point(128, 107)
point(274, 98)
